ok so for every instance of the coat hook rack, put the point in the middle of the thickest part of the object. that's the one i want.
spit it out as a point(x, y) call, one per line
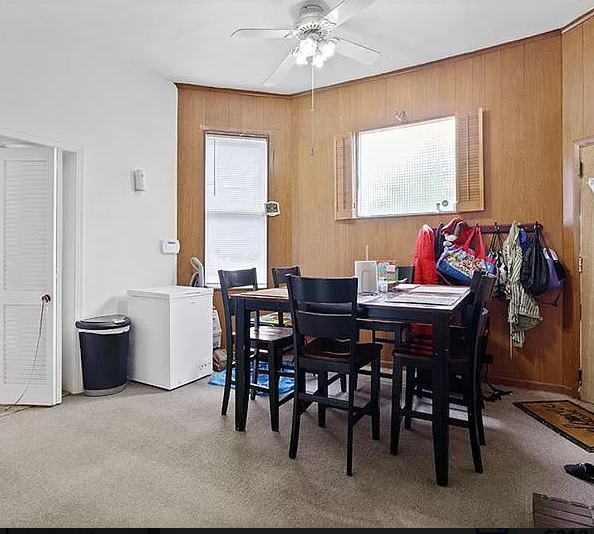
point(504, 228)
point(400, 116)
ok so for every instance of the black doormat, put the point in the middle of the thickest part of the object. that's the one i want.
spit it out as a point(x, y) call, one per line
point(564, 417)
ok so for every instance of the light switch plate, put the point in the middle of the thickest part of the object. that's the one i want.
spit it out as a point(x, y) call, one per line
point(139, 180)
point(170, 246)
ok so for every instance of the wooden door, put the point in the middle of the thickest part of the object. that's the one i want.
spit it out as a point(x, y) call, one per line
point(587, 270)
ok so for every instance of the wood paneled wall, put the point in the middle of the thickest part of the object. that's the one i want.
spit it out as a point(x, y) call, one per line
point(578, 123)
point(200, 110)
point(230, 111)
point(519, 87)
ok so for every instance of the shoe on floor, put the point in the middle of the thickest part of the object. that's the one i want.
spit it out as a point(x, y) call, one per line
point(583, 471)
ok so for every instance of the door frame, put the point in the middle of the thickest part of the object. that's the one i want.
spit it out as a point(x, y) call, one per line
point(576, 288)
point(73, 382)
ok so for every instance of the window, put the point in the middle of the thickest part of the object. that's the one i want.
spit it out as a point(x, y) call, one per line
point(408, 169)
point(236, 171)
point(433, 166)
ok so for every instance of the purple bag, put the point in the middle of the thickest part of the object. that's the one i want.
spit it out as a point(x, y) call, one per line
point(557, 273)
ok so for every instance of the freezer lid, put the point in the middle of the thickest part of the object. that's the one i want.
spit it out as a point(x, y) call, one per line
point(171, 292)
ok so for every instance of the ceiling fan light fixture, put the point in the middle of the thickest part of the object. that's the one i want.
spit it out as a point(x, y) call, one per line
point(300, 59)
point(313, 30)
point(307, 47)
point(318, 60)
point(327, 48)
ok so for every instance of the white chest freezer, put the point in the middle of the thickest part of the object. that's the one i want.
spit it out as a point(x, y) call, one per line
point(171, 335)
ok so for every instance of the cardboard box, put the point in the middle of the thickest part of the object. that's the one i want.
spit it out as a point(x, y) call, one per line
point(386, 269)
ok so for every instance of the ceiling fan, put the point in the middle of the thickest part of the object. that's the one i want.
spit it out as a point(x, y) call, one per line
point(313, 29)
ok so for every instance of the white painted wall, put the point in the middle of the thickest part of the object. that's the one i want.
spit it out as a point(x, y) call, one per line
point(54, 87)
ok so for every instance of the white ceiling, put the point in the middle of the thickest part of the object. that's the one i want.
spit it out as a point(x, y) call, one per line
point(190, 40)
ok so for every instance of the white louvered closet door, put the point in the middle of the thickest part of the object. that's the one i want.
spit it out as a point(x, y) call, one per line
point(30, 370)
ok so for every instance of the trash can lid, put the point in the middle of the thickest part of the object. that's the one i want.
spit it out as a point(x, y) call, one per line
point(103, 322)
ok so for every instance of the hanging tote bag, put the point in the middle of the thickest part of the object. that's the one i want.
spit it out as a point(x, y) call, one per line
point(496, 254)
point(535, 271)
point(459, 262)
point(557, 275)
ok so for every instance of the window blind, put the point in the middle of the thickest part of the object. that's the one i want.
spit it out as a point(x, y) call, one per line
point(407, 169)
point(236, 170)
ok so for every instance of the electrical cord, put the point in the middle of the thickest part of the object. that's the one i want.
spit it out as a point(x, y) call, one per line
point(496, 393)
point(45, 299)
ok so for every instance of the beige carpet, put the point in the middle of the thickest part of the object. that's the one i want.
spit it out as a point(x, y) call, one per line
point(146, 457)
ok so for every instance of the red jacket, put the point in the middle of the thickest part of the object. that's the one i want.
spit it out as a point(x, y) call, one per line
point(425, 270)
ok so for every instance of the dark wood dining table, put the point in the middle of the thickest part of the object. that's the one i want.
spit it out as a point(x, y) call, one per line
point(436, 305)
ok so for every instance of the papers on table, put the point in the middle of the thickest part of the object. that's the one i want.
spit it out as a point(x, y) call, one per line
point(451, 290)
point(414, 297)
point(364, 299)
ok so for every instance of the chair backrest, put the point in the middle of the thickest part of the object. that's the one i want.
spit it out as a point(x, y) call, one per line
point(279, 279)
point(279, 274)
point(481, 289)
point(476, 317)
point(477, 333)
point(323, 308)
point(405, 271)
point(245, 279)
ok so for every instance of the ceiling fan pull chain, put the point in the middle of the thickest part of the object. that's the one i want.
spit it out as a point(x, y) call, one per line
point(312, 110)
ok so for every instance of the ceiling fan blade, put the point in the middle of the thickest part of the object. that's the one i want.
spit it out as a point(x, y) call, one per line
point(286, 65)
point(355, 51)
point(346, 9)
point(262, 33)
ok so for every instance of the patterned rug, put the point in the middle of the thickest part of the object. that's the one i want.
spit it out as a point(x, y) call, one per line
point(285, 383)
point(564, 417)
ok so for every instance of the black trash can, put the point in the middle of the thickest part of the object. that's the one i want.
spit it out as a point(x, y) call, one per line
point(104, 347)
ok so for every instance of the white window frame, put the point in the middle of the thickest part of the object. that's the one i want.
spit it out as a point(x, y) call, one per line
point(262, 268)
point(450, 209)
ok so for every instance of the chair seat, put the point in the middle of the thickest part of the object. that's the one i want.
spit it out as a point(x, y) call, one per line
point(332, 350)
point(267, 334)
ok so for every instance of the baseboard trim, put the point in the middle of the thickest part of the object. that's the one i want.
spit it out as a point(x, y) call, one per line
point(531, 384)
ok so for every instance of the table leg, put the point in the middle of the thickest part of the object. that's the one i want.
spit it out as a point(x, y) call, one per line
point(441, 405)
point(242, 368)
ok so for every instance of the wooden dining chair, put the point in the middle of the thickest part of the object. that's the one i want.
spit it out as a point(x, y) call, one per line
point(279, 274)
point(279, 279)
point(415, 354)
point(406, 273)
point(419, 380)
point(326, 340)
point(267, 344)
